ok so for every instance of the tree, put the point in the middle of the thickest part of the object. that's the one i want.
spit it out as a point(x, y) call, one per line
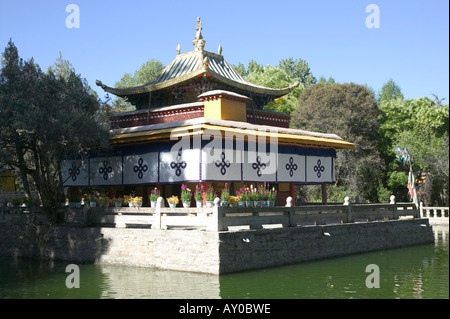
point(43, 118)
point(146, 73)
point(390, 91)
point(299, 70)
point(324, 81)
point(351, 112)
point(287, 72)
point(421, 125)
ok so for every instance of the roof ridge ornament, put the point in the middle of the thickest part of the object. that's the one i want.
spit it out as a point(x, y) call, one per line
point(198, 42)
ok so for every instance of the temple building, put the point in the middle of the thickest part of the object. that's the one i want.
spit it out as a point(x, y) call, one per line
point(200, 121)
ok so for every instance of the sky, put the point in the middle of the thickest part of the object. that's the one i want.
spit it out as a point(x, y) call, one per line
point(364, 42)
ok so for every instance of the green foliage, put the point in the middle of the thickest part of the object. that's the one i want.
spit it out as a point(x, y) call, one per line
point(146, 73)
point(421, 125)
point(324, 81)
point(45, 116)
point(284, 75)
point(351, 112)
point(390, 91)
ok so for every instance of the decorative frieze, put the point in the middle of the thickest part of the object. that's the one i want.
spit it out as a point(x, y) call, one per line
point(160, 165)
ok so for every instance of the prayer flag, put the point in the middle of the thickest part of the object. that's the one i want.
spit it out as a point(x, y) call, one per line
point(411, 187)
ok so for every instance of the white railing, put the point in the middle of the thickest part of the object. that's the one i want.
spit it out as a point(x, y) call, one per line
point(220, 218)
point(433, 212)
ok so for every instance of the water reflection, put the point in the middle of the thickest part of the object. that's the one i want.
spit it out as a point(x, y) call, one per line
point(411, 272)
point(135, 282)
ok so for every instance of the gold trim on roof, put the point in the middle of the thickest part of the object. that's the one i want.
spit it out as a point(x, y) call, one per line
point(189, 130)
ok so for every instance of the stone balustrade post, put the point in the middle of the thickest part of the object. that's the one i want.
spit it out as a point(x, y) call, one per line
point(394, 209)
point(215, 222)
point(157, 216)
point(347, 200)
point(289, 202)
point(392, 199)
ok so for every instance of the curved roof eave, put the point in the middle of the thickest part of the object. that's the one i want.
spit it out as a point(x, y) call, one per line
point(172, 82)
point(218, 68)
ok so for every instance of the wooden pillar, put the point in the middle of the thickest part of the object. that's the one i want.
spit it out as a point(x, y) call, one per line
point(292, 192)
point(324, 194)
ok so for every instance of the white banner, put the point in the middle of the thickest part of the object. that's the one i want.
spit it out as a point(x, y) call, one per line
point(106, 171)
point(259, 167)
point(179, 166)
point(319, 169)
point(220, 166)
point(291, 168)
point(140, 169)
point(75, 173)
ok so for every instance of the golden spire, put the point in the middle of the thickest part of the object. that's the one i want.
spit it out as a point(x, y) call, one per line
point(220, 49)
point(198, 42)
point(178, 48)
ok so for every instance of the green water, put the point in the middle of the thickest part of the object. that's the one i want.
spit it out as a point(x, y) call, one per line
point(406, 273)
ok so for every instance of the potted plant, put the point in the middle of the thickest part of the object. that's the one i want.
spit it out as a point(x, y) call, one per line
point(103, 201)
point(210, 197)
point(264, 196)
point(272, 196)
point(93, 200)
point(186, 196)
point(117, 202)
point(173, 201)
point(155, 193)
point(127, 200)
point(244, 197)
point(137, 201)
point(198, 195)
point(131, 201)
point(255, 196)
point(225, 196)
point(233, 201)
point(240, 195)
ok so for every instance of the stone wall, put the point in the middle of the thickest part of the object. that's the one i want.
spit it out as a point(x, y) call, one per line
point(207, 251)
point(273, 247)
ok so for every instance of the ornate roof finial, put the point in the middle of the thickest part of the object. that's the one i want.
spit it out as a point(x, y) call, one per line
point(206, 62)
point(220, 49)
point(178, 48)
point(199, 43)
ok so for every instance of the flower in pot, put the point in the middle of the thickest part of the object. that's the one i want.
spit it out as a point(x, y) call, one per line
point(198, 195)
point(233, 201)
point(272, 196)
point(186, 196)
point(225, 196)
point(210, 197)
point(93, 199)
point(103, 201)
point(155, 193)
point(117, 201)
point(173, 201)
point(137, 201)
point(128, 200)
point(264, 196)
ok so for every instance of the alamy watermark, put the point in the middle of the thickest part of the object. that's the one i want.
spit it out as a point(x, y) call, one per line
point(261, 144)
point(73, 19)
point(73, 279)
point(373, 19)
point(373, 279)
